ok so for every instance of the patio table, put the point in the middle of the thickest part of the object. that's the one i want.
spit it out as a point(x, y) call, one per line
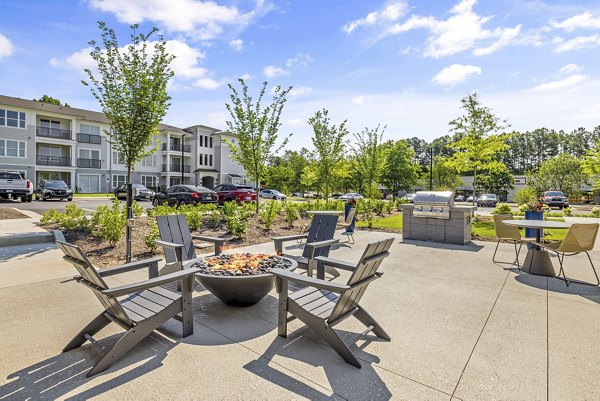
point(538, 260)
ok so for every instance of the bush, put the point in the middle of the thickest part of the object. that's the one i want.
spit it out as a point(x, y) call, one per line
point(389, 207)
point(51, 216)
point(162, 210)
point(269, 213)
point(108, 223)
point(193, 215)
point(524, 195)
point(378, 206)
point(567, 212)
point(502, 208)
point(73, 218)
point(152, 236)
point(291, 213)
point(236, 217)
point(595, 212)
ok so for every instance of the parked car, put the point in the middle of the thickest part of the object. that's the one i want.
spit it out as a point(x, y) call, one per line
point(351, 195)
point(139, 192)
point(409, 197)
point(556, 198)
point(184, 195)
point(12, 185)
point(489, 200)
point(271, 194)
point(470, 198)
point(461, 198)
point(298, 194)
point(238, 193)
point(53, 189)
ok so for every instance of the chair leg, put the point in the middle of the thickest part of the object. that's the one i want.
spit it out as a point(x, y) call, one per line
point(368, 320)
point(496, 250)
point(337, 344)
point(560, 262)
point(593, 268)
point(186, 306)
point(517, 251)
point(282, 288)
point(97, 324)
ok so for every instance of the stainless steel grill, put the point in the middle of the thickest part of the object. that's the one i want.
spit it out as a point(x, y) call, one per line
point(433, 204)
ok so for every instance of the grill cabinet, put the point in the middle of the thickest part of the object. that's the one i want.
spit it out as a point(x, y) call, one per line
point(434, 205)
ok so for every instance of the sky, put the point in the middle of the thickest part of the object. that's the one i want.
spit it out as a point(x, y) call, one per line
point(404, 64)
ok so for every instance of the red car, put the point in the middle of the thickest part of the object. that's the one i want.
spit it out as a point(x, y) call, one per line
point(238, 193)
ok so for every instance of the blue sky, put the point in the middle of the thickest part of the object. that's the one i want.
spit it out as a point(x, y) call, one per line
point(404, 64)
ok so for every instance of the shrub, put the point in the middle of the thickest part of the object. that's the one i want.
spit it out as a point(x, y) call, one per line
point(389, 207)
point(136, 209)
point(524, 195)
point(193, 215)
point(51, 216)
point(73, 218)
point(152, 236)
point(236, 217)
point(162, 210)
point(567, 212)
point(595, 212)
point(291, 213)
point(502, 208)
point(378, 206)
point(269, 213)
point(108, 223)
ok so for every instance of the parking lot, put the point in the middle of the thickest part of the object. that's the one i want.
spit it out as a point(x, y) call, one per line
point(87, 204)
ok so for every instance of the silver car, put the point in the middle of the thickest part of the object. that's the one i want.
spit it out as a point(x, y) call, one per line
point(271, 194)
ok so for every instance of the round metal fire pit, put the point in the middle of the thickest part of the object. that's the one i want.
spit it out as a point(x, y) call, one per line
point(240, 290)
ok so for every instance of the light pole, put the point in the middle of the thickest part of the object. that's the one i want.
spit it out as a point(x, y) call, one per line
point(431, 168)
point(182, 143)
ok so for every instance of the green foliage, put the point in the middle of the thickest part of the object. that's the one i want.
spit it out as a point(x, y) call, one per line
point(369, 157)
point(51, 216)
point(523, 195)
point(328, 140)
point(290, 212)
point(389, 207)
point(561, 173)
point(378, 206)
point(51, 100)
point(270, 213)
point(193, 215)
point(74, 218)
point(567, 211)
point(256, 129)
point(498, 181)
point(136, 209)
point(595, 212)
point(445, 176)
point(108, 222)
point(399, 172)
point(162, 210)
point(236, 217)
point(152, 236)
point(309, 177)
point(502, 208)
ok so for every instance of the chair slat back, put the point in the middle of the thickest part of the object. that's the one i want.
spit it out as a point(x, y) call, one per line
point(579, 238)
point(175, 229)
point(91, 278)
point(322, 228)
point(366, 268)
point(504, 230)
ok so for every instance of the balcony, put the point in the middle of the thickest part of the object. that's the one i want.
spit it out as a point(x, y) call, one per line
point(89, 163)
point(176, 147)
point(175, 168)
point(53, 161)
point(87, 138)
point(55, 133)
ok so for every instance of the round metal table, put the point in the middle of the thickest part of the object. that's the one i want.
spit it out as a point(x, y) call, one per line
point(538, 260)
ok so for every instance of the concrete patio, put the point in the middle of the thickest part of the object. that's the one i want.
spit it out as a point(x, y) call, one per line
point(462, 328)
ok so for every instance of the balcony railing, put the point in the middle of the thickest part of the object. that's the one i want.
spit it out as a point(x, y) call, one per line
point(176, 147)
point(52, 161)
point(55, 133)
point(89, 163)
point(88, 138)
point(175, 168)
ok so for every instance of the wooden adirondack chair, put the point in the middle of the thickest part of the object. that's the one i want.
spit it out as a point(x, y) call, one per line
point(177, 241)
point(147, 305)
point(319, 239)
point(323, 304)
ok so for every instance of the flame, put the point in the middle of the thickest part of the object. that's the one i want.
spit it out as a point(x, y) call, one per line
point(237, 261)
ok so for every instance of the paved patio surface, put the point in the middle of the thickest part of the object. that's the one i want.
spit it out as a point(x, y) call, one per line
point(462, 328)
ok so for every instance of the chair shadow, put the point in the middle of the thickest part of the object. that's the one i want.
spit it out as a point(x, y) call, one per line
point(470, 247)
point(25, 251)
point(345, 380)
point(555, 284)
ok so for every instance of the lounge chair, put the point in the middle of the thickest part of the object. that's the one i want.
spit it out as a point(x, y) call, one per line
point(146, 307)
point(348, 223)
point(323, 304)
point(319, 239)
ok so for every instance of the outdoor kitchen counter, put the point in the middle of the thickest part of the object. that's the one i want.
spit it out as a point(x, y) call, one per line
point(454, 230)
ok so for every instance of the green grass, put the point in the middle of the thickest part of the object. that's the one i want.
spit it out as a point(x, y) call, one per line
point(485, 229)
point(389, 223)
point(94, 195)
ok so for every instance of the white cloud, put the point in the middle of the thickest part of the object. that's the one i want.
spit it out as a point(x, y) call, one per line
point(202, 20)
point(455, 74)
point(6, 47)
point(302, 59)
point(237, 45)
point(246, 77)
point(585, 20)
point(569, 69)
point(506, 37)
point(298, 91)
point(272, 71)
point(389, 13)
point(207, 83)
point(579, 42)
point(561, 83)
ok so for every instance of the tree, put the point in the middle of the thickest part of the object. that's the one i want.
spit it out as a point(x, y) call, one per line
point(399, 172)
point(131, 88)
point(309, 177)
point(444, 178)
point(256, 129)
point(51, 100)
point(328, 141)
point(497, 181)
point(369, 157)
point(561, 173)
point(477, 147)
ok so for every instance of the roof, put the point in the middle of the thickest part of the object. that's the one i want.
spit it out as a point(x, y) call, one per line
point(207, 170)
point(203, 126)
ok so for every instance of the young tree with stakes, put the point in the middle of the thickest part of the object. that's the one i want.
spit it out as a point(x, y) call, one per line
point(131, 87)
point(369, 158)
point(256, 129)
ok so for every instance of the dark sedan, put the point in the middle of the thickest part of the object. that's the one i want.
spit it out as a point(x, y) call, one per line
point(139, 192)
point(53, 189)
point(184, 195)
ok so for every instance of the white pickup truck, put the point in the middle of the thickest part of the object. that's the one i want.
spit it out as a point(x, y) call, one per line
point(12, 185)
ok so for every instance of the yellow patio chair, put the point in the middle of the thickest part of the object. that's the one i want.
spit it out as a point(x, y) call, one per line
point(509, 234)
point(580, 238)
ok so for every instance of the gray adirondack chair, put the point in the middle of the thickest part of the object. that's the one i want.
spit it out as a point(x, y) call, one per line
point(147, 305)
point(177, 241)
point(319, 240)
point(323, 304)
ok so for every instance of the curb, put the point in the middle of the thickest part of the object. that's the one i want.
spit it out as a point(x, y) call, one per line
point(27, 239)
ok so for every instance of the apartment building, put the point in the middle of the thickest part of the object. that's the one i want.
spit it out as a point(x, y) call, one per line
point(46, 141)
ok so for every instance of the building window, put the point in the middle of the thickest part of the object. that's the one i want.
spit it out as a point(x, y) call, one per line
point(118, 179)
point(12, 118)
point(12, 148)
point(211, 141)
point(150, 181)
point(89, 129)
point(200, 159)
point(210, 159)
point(200, 139)
point(88, 183)
point(117, 159)
point(206, 160)
point(89, 154)
point(89, 134)
point(149, 161)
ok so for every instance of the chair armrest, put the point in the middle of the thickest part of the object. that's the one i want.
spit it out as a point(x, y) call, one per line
point(111, 271)
point(290, 237)
point(321, 244)
point(153, 282)
point(168, 244)
point(338, 264)
point(214, 240)
point(310, 281)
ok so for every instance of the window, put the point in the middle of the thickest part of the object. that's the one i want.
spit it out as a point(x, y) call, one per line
point(200, 139)
point(12, 118)
point(210, 160)
point(12, 148)
point(88, 183)
point(200, 159)
point(89, 134)
point(206, 141)
point(89, 129)
point(211, 141)
point(206, 160)
point(149, 161)
point(118, 179)
point(117, 159)
point(150, 181)
point(89, 154)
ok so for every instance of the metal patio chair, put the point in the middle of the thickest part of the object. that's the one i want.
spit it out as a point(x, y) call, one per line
point(509, 234)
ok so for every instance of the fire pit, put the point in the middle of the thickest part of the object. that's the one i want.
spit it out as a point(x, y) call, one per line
point(240, 279)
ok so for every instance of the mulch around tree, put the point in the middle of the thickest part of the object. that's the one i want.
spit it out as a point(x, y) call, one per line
point(8, 213)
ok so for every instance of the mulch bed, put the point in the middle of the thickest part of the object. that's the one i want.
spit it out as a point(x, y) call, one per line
point(7, 213)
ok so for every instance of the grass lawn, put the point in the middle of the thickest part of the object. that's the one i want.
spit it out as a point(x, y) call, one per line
point(390, 223)
point(94, 195)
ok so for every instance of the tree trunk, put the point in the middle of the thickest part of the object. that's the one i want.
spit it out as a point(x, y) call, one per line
point(474, 189)
point(257, 191)
point(128, 228)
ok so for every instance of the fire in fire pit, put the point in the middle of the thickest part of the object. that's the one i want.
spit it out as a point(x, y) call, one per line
point(241, 264)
